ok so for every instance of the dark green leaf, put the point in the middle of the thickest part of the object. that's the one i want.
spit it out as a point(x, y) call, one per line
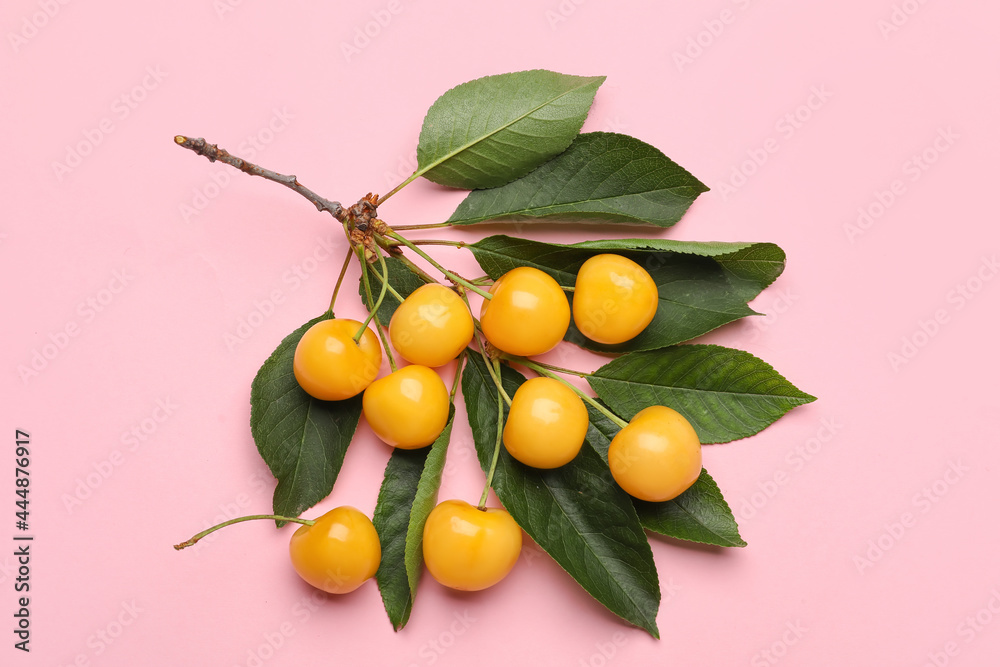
point(408, 494)
point(702, 285)
point(576, 513)
point(601, 177)
point(489, 131)
point(726, 394)
point(700, 514)
point(401, 279)
point(303, 440)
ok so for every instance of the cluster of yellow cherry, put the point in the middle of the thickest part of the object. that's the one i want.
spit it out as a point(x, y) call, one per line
point(655, 457)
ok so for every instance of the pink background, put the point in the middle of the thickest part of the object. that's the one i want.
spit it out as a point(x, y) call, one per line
point(151, 256)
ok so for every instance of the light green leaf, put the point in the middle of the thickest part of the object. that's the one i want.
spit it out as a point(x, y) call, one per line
point(489, 131)
point(408, 494)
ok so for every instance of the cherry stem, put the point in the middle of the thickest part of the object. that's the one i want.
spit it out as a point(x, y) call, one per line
point(496, 447)
point(392, 290)
point(381, 296)
point(542, 370)
point(451, 276)
point(399, 187)
point(557, 369)
point(455, 244)
point(209, 531)
point(435, 225)
point(458, 374)
point(494, 372)
point(374, 313)
point(340, 279)
point(416, 270)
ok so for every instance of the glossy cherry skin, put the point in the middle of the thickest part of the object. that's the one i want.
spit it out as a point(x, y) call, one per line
point(432, 326)
point(528, 314)
point(657, 456)
point(614, 299)
point(546, 425)
point(469, 549)
point(338, 553)
point(409, 408)
point(330, 366)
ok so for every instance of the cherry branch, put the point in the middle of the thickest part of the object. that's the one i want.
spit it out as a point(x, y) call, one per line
point(213, 153)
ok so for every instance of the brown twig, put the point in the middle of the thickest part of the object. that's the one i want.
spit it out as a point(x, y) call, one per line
point(213, 153)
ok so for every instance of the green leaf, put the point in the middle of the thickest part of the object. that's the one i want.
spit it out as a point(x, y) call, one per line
point(303, 440)
point(401, 279)
point(601, 177)
point(408, 494)
point(702, 285)
point(489, 131)
point(726, 394)
point(700, 514)
point(576, 513)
